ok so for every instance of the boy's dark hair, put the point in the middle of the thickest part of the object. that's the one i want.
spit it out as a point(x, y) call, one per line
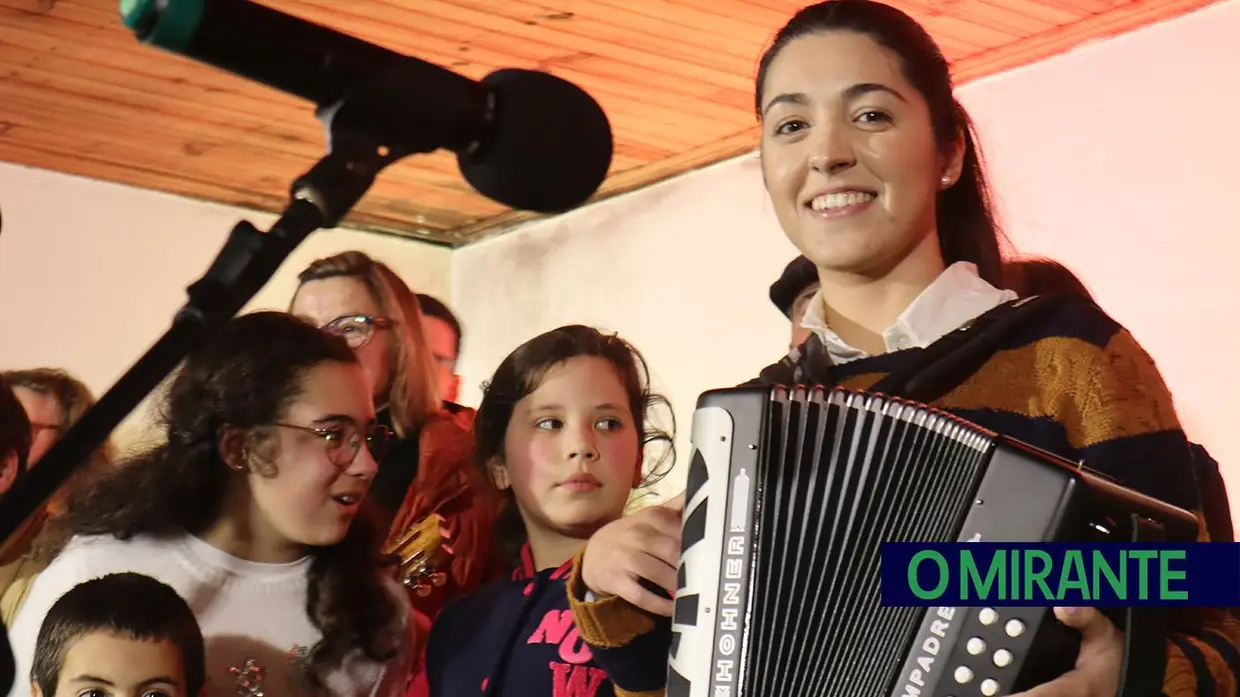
point(15, 435)
point(523, 371)
point(433, 307)
point(128, 605)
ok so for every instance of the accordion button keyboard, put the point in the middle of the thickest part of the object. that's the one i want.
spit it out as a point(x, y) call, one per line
point(976, 646)
point(1003, 658)
point(963, 675)
point(989, 687)
point(988, 616)
point(1014, 628)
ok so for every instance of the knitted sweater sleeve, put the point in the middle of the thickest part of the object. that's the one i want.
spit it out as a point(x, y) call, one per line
point(629, 644)
point(1119, 417)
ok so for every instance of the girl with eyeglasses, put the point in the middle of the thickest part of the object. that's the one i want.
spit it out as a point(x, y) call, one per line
point(428, 471)
point(251, 509)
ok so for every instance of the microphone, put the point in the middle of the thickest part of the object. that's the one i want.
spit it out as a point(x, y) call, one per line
point(526, 139)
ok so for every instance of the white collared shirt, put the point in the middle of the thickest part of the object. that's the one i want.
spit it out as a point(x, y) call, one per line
point(957, 296)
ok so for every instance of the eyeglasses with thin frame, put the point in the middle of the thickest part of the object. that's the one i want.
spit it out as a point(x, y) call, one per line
point(344, 441)
point(357, 330)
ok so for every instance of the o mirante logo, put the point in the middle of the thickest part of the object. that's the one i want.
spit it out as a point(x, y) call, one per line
point(989, 574)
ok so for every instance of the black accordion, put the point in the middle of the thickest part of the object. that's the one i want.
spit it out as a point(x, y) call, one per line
point(791, 493)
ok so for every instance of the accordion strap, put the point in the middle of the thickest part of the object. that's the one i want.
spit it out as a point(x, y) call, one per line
point(1145, 632)
point(930, 373)
point(946, 363)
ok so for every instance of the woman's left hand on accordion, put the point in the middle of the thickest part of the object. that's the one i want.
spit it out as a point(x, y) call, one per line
point(1097, 665)
point(642, 547)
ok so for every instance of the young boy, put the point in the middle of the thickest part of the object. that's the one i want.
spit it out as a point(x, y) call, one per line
point(121, 635)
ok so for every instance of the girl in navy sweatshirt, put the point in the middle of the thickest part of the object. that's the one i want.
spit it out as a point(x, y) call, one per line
point(562, 432)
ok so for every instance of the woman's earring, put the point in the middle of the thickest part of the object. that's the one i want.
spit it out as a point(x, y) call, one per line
point(946, 180)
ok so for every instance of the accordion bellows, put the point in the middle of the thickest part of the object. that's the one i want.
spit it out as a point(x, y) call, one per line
point(792, 492)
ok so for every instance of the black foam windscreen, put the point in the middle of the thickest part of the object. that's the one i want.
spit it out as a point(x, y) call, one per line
point(550, 146)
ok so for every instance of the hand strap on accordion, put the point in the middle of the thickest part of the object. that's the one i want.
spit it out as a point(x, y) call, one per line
point(1145, 632)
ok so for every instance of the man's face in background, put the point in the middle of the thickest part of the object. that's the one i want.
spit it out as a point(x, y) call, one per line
point(443, 343)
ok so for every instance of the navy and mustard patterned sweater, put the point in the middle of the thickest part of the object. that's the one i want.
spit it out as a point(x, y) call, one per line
point(536, 636)
point(1061, 375)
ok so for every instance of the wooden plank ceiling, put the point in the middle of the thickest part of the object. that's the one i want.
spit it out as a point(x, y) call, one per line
point(78, 94)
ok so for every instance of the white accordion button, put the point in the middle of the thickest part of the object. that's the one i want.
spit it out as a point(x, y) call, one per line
point(975, 646)
point(1003, 658)
point(963, 675)
point(1014, 628)
point(989, 687)
point(988, 616)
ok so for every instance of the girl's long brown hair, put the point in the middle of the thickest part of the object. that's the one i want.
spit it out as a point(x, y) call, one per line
point(524, 370)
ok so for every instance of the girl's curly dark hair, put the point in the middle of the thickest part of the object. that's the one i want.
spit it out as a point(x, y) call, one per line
point(523, 371)
point(244, 377)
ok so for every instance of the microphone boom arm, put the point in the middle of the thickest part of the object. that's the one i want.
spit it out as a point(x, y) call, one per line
point(320, 198)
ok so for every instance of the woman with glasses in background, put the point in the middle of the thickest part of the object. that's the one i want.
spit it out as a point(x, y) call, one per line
point(429, 470)
point(53, 400)
point(249, 509)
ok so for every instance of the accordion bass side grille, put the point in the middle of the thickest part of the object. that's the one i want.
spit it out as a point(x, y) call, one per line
point(791, 493)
